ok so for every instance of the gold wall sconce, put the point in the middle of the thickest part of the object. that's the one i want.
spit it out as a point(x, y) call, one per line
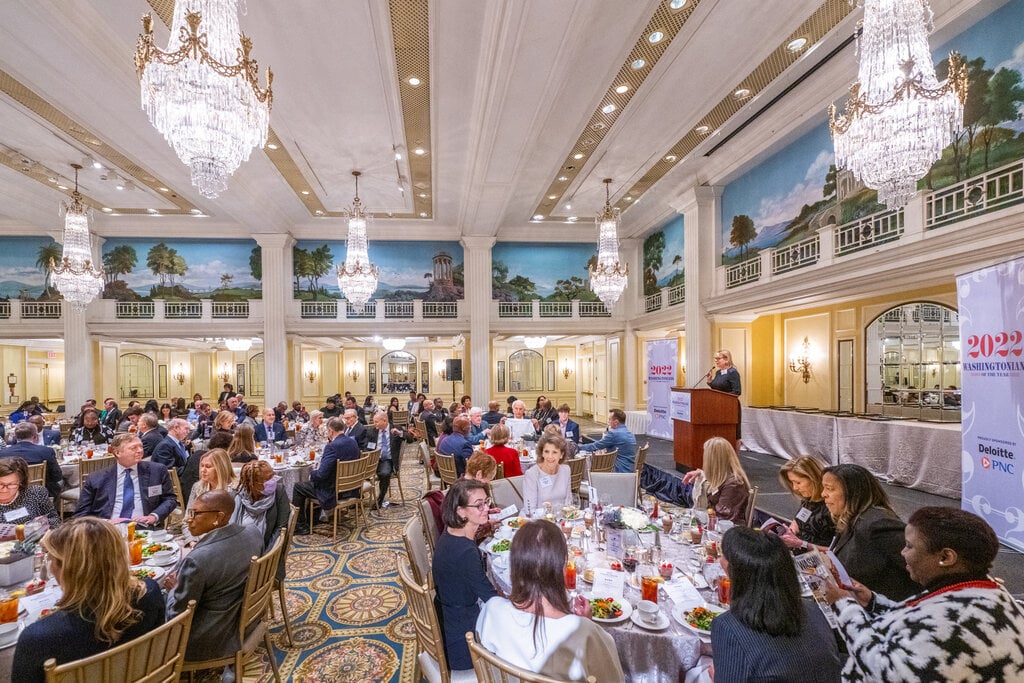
point(800, 363)
point(354, 372)
point(179, 375)
point(310, 372)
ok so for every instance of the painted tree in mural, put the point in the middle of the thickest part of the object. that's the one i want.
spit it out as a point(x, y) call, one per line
point(654, 249)
point(573, 288)
point(48, 253)
point(830, 186)
point(120, 260)
point(1003, 99)
point(743, 232)
point(225, 280)
point(256, 262)
point(320, 261)
point(166, 263)
point(300, 266)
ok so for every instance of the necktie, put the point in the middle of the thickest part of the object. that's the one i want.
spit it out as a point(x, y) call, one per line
point(385, 445)
point(181, 452)
point(128, 496)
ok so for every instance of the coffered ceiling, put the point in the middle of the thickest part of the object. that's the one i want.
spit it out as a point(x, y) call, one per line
point(465, 117)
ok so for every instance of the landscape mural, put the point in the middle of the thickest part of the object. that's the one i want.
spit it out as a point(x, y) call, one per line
point(431, 271)
point(663, 257)
point(181, 270)
point(798, 190)
point(523, 271)
point(24, 268)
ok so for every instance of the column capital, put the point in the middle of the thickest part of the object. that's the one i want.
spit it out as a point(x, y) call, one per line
point(478, 241)
point(697, 196)
point(281, 240)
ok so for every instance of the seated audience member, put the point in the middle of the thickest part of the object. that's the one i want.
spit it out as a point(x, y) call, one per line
point(47, 436)
point(445, 431)
point(459, 575)
point(250, 416)
point(111, 415)
point(166, 413)
point(812, 524)
point(23, 412)
point(354, 428)
point(457, 445)
point(150, 434)
point(269, 429)
point(262, 501)
point(24, 447)
point(130, 419)
point(769, 633)
point(431, 420)
point(322, 480)
point(243, 444)
point(570, 430)
point(544, 415)
point(317, 426)
point(298, 412)
point(493, 416)
point(215, 474)
point(535, 628)
point(91, 430)
point(870, 533)
point(19, 502)
point(393, 407)
point(196, 400)
point(571, 447)
point(332, 409)
point(551, 480)
point(722, 483)
point(223, 429)
point(131, 490)
point(618, 436)
point(352, 404)
point(214, 575)
point(962, 627)
point(478, 429)
point(170, 452)
point(102, 605)
point(509, 457)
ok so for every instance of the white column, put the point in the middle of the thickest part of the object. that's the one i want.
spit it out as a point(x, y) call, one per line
point(276, 250)
point(702, 233)
point(629, 308)
point(477, 287)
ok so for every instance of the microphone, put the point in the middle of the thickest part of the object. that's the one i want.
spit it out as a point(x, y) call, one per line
point(705, 377)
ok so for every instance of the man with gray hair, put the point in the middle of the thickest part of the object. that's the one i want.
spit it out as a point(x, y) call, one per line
point(322, 480)
point(478, 429)
point(171, 451)
point(149, 433)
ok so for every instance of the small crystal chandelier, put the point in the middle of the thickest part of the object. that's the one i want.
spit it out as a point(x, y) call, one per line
point(608, 278)
point(202, 92)
point(75, 278)
point(357, 277)
point(238, 344)
point(899, 118)
point(535, 343)
point(393, 344)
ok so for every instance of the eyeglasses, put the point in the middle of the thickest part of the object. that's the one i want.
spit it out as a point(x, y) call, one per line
point(192, 512)
point(8, 487)
point(482, 505)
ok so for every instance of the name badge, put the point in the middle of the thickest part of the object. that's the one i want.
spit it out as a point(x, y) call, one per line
point(544, 480)
point(803, 515)
point(155, 490)
point(15, 515)
point(568, 435)
point(371, 445)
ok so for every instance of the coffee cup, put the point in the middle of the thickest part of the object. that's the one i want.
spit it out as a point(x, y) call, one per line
point(648, 611)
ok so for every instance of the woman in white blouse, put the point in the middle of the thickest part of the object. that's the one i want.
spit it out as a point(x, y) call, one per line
point(550, 481)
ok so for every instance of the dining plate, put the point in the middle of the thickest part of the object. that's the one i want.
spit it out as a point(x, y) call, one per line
point(156, 571)
point(166, 563)
point(679, 614)
point(660, 625)
point(627, 609)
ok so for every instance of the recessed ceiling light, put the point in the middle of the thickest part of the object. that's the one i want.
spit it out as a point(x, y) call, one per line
point(637, 64)
point(670, 157)
point(562, 178)
point(701, 130)
point(608, 108)
point(423, 214)
point(741, 93)
point(305, 192)
point(577, 155)
point(796, 44)
point(552, 196)
point(538, 216)
point(319, 212)
point(414, 81)
point(52, 179)
point(271, 145)
point(96, 164)
point(621, 89)
point(164, 189)
point(398, 156)
point(151, 210)
point(423, 195)
point(568, 206)
point(628, 198)
point(62, 187)
point(655, 37)
point(573, 219)
point(107, 209)
point(677, 4)
point(196, 211)
point(419, 151)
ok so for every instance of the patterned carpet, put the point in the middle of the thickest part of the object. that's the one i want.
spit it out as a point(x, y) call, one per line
point(347, 610)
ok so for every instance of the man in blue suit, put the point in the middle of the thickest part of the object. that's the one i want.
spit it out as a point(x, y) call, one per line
point(150, 434)
point(25, 447)
point(47, 437)
point(321, 484)
point(354, 428)
point(171, 451)
point(617, 436)
point(131, 490)
point(570, 430)
point(270, 429)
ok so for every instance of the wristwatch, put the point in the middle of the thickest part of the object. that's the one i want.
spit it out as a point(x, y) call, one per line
point(803, 546)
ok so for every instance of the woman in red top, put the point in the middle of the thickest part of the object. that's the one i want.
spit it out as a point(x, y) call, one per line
point(508, 457)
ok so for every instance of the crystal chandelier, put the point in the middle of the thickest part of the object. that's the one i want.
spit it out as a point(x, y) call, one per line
point(608, 278)
point(75, 278)
point(899, 118)
point(535, 343)
point(202, 92)
point(357, 277)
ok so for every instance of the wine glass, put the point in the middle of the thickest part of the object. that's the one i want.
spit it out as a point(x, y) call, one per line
point(629, 561)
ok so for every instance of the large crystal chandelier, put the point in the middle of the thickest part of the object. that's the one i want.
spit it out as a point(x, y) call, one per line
point(75, 278)
point(357, 277)
point(608, 278)
point(202, 92)
point(899, 118)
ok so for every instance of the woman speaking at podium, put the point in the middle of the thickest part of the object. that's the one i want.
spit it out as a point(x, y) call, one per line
point(725, 377)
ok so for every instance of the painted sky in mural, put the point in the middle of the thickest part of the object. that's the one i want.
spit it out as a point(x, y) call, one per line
point(796, 191)
point(663, 257)
point(407, 270)
point(20, 275)
point(523, 271)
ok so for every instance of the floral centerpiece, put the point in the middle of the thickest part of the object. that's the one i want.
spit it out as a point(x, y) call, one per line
point(627, 518)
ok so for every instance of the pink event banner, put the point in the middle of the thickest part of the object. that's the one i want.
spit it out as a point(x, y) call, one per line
point(662, 358)
point(992, 365)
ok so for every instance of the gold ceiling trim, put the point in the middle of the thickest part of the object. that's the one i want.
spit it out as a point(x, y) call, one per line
point(91, 144)
point(669, 22)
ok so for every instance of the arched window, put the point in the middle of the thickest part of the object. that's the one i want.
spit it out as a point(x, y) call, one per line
point(526, 371)
point(397, 373)
point(257, 375)
point(912, 367)
point(135, 376)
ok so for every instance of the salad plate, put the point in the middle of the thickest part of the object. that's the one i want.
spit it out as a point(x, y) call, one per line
point(597, 605)
point(683, 615)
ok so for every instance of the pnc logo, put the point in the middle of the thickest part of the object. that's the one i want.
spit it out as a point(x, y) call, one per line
point(989, 464)
point(986, 463)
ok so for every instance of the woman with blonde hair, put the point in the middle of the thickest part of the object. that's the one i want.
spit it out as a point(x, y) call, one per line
point(812, 524)
point(243, 444)
point(722, 482)
point(509, 457)
point(215, 472)
point(102, 605)
point(223, 428)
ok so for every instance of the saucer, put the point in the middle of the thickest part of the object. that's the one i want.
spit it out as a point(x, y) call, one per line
point(660, 625)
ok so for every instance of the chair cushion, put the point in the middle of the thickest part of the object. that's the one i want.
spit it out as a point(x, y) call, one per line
point(71, 494)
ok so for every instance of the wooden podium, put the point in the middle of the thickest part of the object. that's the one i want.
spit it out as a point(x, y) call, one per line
point(698, 415)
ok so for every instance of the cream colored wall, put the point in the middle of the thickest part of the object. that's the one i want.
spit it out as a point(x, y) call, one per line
point(818, 391)
point(563, 355)
point(13, 361)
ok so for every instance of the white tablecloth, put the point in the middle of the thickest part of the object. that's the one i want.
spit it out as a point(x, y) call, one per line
point(637, 421)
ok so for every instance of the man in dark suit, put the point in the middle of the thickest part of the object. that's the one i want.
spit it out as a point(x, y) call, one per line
point(351, 404)
point(131, 490)
point(112, 417)
point(149, 433)
point(269, 429)
point(47, 437)
point(570, 430)
point(430, 420)
point(354, 429)
point(321, 484)
point(228, 392)
point(389, 440)
point(25, 447)
point(171, 451)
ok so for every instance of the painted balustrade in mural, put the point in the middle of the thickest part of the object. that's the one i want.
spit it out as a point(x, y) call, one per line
point(5, 310)
point(995, 189)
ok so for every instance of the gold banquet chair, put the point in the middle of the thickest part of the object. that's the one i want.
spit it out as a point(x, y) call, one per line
point(490, 668)
point(350, 476)
point(86, 468)
point(603, 462)
point(416, 548)
point(156, 657)
point(446, 466)
point(37, 474)
point(288, 531)
point(432, 480)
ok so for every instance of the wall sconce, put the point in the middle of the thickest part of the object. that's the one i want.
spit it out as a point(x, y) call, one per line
point(354, 373)
point(565, 368)
point(179, 376)
point(801, 363)
point(442, 372)
point(311, 372)
point(225, 373)
point(12, 381)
